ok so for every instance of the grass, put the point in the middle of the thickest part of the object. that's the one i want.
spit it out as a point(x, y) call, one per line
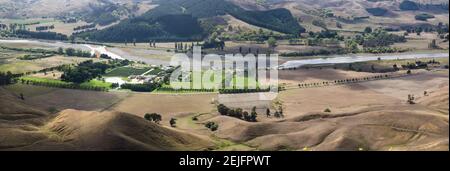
point(155, 71)
point(126, 71)
point(97, 83)
point(227, 145)
point(27, 78)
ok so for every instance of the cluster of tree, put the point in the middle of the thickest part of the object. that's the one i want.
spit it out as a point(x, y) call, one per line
point(319, 23)
point(343, 81)
point(13, 27)
point(43, 28)
point(377, 38)
point(325, 34)
point(238, 113)
point(423, 16)
point(74, 52)
point(352, 80)
point(35, 53)
point(258, 36)
point(382, 49)
point(434, 6)
point(8, 77)
point(245, 90)
point(153, 117)
point(214, 43)
point(315, 52)
point(114, 63)
point(170, 89)
point(377, 50)
point(85, 71)
point(440, 28)
point(84, 27)
point(35, 56)
point(377, 11)
point(416, 65)
point(212, 126)
point(183, 47)
point(40, 35)
point(407, 5)
point(140, 87)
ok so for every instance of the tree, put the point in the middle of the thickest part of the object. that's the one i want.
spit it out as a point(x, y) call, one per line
point(212, 126)
point(238, 113)
point(419, 31)
point(60, 51)
point(277, 114)
point(70, 52)
point(173, 122)
point(272, 42)
point(395, 66)
point(223, 110)
point(268, 112)
point(21, 96)
point(351, 46)
point(368, 30)
point(411, 99)
point(253, 115)
point(153, 117)
point(433, 44)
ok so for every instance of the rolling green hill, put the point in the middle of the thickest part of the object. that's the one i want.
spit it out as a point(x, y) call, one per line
point(179, 20)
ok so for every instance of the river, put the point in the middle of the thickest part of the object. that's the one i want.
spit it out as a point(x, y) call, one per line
point(359, 58)
point(116, 53)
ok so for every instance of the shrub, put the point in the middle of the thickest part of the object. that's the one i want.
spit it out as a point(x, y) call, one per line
point(424, 17)
point(212, 126)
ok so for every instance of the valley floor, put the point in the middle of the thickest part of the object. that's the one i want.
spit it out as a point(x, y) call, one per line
point(370, 115)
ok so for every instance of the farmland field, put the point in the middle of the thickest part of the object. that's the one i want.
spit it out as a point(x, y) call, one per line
point(126, 71)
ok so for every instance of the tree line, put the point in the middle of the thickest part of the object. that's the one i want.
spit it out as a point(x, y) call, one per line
point(238, 113)
point(64, 85)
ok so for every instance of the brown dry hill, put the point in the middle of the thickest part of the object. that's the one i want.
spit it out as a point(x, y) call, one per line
point(369, 129)
point(22, 127)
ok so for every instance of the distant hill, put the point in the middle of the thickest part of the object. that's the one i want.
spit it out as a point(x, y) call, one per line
point(179, 20)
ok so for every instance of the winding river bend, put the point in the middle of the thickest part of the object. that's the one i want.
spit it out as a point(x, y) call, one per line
point(116, 53)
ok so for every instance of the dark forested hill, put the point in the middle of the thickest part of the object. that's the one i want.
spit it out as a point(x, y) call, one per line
point(179, 20)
